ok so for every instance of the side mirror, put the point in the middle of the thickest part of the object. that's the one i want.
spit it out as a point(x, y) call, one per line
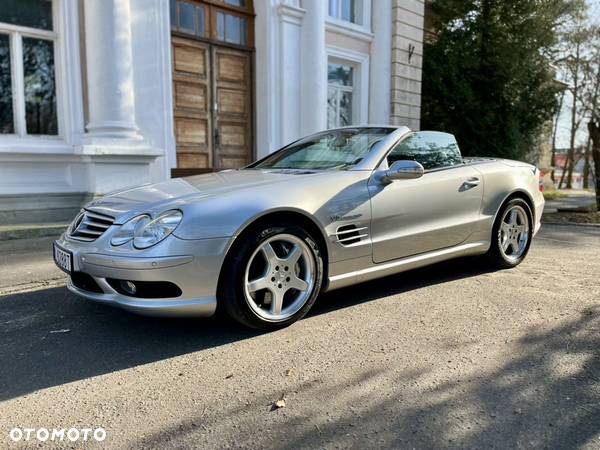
point(403, 170)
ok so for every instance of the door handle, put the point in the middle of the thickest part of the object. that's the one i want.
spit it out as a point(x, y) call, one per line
point(470, 183)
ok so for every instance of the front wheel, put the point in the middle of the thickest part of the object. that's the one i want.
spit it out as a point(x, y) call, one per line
point(273, 278)
point(511, 235)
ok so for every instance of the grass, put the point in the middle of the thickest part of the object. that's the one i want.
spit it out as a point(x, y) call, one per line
point(554, 195)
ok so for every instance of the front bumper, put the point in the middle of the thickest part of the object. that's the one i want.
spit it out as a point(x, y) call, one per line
point(192, 265)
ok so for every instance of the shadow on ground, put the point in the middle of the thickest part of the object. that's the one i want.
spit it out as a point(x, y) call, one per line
point(51, 337)
point(547, 396)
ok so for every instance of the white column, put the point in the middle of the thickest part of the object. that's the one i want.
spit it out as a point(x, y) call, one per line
point(313, 84)
point(109, 70)
point(381, 62)
point(290, 75)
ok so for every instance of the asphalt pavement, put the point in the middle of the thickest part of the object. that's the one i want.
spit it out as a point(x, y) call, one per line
point(449, 356)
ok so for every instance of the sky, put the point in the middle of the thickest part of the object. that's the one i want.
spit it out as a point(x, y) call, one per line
point(564, 125)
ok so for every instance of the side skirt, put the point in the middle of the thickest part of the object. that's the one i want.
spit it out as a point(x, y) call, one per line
point(412, 262)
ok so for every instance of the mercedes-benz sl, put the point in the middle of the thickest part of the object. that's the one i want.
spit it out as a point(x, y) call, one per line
point(330, 210)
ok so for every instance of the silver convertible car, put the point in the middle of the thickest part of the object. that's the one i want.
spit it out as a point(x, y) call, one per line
point(330, 210)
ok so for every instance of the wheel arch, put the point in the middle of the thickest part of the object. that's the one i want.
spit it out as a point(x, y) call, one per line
point(296, 217)
point(523, 195)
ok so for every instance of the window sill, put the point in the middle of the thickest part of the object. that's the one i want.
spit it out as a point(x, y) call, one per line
point(34, 145)
point(348, 29)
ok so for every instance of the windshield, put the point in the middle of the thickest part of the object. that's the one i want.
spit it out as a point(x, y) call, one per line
point(334, 149)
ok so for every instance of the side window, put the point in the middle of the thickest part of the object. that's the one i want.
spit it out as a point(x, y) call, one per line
point(430, 148)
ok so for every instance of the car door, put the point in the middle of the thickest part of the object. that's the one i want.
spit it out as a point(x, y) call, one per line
point(438, 210)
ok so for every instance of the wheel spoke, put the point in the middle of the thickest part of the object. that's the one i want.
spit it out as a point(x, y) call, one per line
point(505, 227)
point(513, 217)
point(277, 302)
point(514, 243)
point(269, 253)
point(505, 242)
point(298, 283)
point(294, 255)
point(257, 285)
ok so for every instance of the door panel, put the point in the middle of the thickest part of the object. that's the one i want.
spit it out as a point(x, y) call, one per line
point(232, 119)
point(432, 212)
point(191, 91)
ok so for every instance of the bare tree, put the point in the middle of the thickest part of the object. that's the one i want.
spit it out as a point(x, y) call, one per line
point(577, 36)
point(593, 99)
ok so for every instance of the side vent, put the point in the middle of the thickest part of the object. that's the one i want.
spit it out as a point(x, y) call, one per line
point(350, 234)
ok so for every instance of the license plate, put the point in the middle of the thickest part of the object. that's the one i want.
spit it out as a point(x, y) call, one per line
point(63, 259)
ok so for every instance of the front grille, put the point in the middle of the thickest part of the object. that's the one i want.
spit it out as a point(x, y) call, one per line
point(350, 234)
point(89, 226)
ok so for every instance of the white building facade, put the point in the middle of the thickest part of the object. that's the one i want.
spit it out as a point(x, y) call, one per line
point(98, 95)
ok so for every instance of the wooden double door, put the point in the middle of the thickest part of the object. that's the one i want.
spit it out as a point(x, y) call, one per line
point(212, 106)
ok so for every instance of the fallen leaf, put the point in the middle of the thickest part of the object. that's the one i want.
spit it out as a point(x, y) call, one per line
point(279, 403)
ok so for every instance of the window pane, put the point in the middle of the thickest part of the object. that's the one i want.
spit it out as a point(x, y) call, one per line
point(348, 10)
point(244, 31)
point(232, 29)
point(201, 23)
point(6, 103)
point(40, 90)
point(340, 74)
point(186, 18)
point(241, 3)
point(345, 109)
point(333, 8)
point(431, 149)
point(173, 13)
point(27, 13)
point(220, 26)
point(332, 107)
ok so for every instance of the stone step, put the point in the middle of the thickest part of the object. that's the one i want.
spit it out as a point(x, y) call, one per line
point(31, 230)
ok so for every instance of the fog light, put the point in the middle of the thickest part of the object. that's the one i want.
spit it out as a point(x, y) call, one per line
point(129, 287)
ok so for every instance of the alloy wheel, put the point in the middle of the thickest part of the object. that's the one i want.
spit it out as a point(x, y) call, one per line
point(279, 277)
point(513, 234)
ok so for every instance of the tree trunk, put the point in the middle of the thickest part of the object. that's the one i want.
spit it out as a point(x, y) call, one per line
point(564, 171)
point(586, 163)
point(554, 133)
point(594, 129)
point(574, 122)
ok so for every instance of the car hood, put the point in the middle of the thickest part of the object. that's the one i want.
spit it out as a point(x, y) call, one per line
point(175, 193)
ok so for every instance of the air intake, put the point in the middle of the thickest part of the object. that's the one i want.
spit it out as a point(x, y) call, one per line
point(89, 226)
point(350, 234)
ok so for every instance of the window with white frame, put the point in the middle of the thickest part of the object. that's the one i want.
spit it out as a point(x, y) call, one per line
point(340, 92)
point(347, 10)
point(27, 68)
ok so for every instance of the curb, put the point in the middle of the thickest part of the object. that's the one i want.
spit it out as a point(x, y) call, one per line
point(572, 224)
point(8, 233)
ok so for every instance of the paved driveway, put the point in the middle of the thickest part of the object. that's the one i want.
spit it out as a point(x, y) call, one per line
point(449, 356)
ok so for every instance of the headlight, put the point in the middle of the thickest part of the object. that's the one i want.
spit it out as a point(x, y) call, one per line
point(150, 232)
point(126, 232)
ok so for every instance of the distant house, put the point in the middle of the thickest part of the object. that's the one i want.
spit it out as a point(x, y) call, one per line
point(561, 157)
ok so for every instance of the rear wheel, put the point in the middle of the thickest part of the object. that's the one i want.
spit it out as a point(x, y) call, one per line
point(511, 235)
point(273, 278)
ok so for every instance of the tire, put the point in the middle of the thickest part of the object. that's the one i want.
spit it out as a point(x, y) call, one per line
point(263, 285)
point(511, 238)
